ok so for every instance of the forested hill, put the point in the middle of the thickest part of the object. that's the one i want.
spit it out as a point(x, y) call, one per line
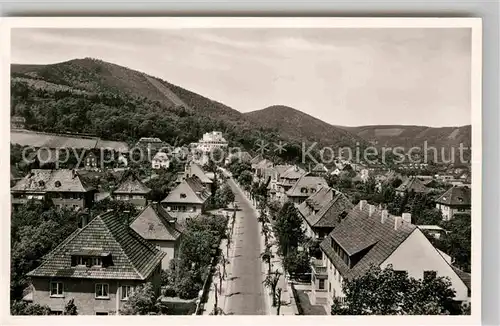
point(118, 103)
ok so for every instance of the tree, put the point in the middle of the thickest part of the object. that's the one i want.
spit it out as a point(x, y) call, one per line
point(223, 196)
point(271, 281)
point(288, 228)
point(266, 257)
point(26, 309)
point(278, 300)
point(245, 179)
point(297, 263)
point(70, 308)
point(386, 292)
point(143, 301)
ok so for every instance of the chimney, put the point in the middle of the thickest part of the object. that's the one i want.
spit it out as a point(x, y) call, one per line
point(73, 174)
point(397, 222)
point(362, 204)
point(406, 217)
point(127, 218)
point(384, 216)
point(371, 209)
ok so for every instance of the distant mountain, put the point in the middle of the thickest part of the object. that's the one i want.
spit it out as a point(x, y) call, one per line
point(409, 136)
point(117, 103)
point(96, 76)
point(300, 126)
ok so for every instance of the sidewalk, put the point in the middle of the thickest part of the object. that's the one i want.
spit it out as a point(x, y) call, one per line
point(224, 289)
point(288, 306)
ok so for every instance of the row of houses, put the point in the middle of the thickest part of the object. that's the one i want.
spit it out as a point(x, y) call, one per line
point(101, 263)
point(352, 238)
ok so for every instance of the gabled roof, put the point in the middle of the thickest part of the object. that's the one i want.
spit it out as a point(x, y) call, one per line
point(62, 180)
point(154, 223)
point(360, 233)
point(256, 159)
point(306, 181)
point(133, 257)
point(161, 156)
point(320, 167)
point(414, 184)
point(132, 185)
point(465, 277)
point(263, 164)
point(280, 169)
point(189, 191)
point(293, 172)
point(456, 196)
point(324, 208)
point(195, 169)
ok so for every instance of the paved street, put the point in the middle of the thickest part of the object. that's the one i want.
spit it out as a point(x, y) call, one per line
point(245, 295)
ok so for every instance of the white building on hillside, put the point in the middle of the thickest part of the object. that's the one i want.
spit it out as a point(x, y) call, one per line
point(160, 160)
point(211, 141)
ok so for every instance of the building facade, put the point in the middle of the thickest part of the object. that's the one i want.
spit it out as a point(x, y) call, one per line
point(457, 200)
point(98, 266)
point(133, 191)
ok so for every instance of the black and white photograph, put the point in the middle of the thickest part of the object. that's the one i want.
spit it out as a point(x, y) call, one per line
point(232, 166)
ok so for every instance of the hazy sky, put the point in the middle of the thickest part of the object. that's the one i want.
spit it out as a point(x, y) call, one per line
point(342, 76)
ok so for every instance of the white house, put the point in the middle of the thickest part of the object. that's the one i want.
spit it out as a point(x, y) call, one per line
point(370, 236)
point(211, 141)
point(160, 160)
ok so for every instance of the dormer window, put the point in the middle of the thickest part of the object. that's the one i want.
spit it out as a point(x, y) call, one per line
point(57, 184)
point(103, 260)
point(183, 195)
point(41, 183)
point(303, 190)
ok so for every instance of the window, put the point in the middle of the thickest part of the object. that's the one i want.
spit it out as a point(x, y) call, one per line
point(430, 274)
point(101, 313)
point(321, 285)
point(126, 291)
point(101, 291)
point(183, 195)
point(56, 289)
point(96, 261)
point(56, 312)
point(329, 286)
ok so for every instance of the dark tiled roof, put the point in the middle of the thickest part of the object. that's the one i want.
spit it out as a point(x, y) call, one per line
point(413, 184)
point(320, 167)
point(189, 191)
point(456, 196)
point(133, 257)
point(323, 209)
point(308, 182)
point(132, 185)
point(294, 172)
point(365, 235)
point(154, 223)
point(465, 277)
point(62, 180)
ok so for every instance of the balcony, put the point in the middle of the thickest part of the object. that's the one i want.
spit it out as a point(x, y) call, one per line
point(318, 267)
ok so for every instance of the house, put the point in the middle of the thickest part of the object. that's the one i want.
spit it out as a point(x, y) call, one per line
point(239, 156)
point(194, 169)
point(258, 168)
point(17, 122)
point(63, 187)
point(271, 176)
point(372, 237)
point(319, 170)
point(336, 172)
point(454, 201)
point(411, 184)
point(160, 161)
point(256, 160)
point(150, 143)
point(98, 266)
point(323, 211)
point(132, 190)
point(305, 186)
point(287, 179)
point(434, 231)
point(159, 228)
point(188, 199)
point(90, 162)
point(211, 141)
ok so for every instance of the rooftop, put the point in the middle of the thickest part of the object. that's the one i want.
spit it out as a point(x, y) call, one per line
point(413, 184)
point(456, 196)
point(366, 236)
point(189, 191)
point(325, 208)
point(62, 180)
point(132, 185)
point(306, 181)
point(155, 223)
point(133, 258)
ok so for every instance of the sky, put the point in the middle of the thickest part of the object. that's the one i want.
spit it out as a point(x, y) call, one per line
point(349, 77)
